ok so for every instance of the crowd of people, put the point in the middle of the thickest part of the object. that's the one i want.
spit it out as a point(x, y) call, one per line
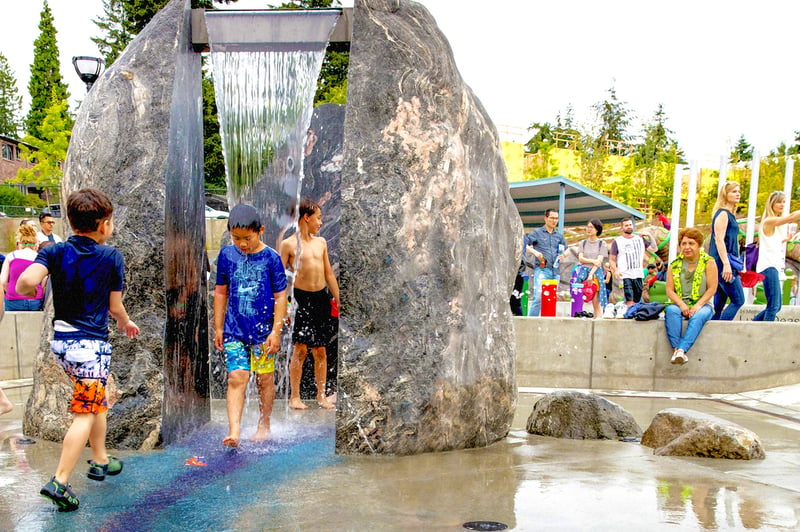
point(700, 285)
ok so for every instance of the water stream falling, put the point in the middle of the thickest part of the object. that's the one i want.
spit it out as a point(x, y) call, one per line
point(264, 95)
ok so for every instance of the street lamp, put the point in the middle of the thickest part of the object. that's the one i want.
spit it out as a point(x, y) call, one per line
point(88, 69)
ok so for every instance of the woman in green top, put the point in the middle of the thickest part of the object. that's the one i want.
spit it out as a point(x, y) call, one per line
point(691, 284)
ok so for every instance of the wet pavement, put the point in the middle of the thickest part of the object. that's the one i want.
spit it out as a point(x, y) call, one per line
point(296, 482)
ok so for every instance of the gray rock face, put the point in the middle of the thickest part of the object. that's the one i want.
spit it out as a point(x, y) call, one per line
point(581, 416)
point(682, 432)
point(428, 248)
point(137, 137)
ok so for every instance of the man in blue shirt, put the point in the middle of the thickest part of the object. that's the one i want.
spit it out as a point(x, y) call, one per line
point(545, 247)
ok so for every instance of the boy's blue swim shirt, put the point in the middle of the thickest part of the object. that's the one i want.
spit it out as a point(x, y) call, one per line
point(252, 281)
point(83, 273)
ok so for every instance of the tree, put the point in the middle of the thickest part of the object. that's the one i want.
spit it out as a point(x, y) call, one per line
point(742, 152)
point(332, 80)
point(124, 19)
point(214, 164)
point(45, 83)
point(614, 119)
point(51, 149)
point(654, 161)
point(10, 101)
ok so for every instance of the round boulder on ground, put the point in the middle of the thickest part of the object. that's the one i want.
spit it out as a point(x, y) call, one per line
point(581, 416)
point(683, 432)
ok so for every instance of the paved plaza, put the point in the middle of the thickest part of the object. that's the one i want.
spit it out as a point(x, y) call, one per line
point(296, 482)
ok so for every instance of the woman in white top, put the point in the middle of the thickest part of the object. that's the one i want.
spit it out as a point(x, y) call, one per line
point(772, 251)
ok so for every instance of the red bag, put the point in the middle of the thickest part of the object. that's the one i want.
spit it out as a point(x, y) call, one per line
point(334, 309)
point(589, 290)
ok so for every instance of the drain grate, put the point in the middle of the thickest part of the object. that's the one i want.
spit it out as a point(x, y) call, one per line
point(485, 525)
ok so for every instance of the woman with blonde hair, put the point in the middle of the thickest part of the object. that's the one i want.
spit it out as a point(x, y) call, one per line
point(16, 262)
point(691, 283)
point(724, 248)
point(772, 252)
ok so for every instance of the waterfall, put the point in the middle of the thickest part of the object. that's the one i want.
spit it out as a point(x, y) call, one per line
point(265, 94)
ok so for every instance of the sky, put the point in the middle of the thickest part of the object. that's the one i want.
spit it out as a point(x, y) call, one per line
point(721, 68)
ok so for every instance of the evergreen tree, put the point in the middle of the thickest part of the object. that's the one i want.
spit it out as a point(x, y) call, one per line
point(654, 161)
point(51, 149)
point(10, 101)
point(614, 119)
point(45, 83)
point(214, 164)
point(742, 152)
point(124, 19)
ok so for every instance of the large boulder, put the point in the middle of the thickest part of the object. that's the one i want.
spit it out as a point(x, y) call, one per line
point(429, 247)
point(682, 432)
point(581, 416)
point(138, 137)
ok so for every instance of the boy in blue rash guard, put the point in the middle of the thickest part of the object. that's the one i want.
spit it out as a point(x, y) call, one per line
point(249, 308)
point(87, 278)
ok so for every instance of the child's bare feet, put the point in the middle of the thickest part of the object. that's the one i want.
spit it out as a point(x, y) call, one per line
point(297, 404)
point(323, 402)
point(231, 440)
point(332, 398)
point(262, 434)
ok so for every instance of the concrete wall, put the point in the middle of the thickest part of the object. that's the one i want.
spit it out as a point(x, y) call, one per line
point(19, 341)
point(728, 357)
point(567, 352)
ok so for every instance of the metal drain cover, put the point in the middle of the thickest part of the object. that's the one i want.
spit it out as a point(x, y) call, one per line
point(485, 525)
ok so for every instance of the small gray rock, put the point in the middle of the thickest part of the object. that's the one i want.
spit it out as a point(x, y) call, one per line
point(581, 416)
point(682, 432)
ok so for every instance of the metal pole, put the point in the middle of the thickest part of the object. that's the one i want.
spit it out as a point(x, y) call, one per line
point(676, 212)
point(751, 203)
point(723, 172)
point(691, 194)
point(562, 201)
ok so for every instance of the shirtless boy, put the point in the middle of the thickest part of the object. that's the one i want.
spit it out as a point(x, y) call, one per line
point(306, 255)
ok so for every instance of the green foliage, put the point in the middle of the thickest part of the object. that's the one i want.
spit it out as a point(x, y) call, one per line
point(51, 152)
point(10, 101)
point(124, 19)
point(614, 119)
point(45, 84)
point(331, 84)
point(742, 152)
point(214, 164)
point(11, 196)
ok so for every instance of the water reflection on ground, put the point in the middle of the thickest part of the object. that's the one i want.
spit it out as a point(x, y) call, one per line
point(295, 482)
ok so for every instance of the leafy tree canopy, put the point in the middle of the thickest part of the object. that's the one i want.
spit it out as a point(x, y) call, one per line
point(52, 148)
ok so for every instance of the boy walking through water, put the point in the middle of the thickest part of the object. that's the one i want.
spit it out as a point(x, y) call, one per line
point(87, 278)
point(306, 254)
point(249, 308)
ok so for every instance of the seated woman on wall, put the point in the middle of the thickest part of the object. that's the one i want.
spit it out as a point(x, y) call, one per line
point(691, 284)
point(16, 262)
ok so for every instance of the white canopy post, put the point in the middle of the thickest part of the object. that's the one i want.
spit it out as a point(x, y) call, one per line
point(691, 193)
point(723, 172)
point(676, 212)
point(787, 183)
point(751, 203)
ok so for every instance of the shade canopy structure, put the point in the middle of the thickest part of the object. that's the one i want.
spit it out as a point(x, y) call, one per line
point(576, 203)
